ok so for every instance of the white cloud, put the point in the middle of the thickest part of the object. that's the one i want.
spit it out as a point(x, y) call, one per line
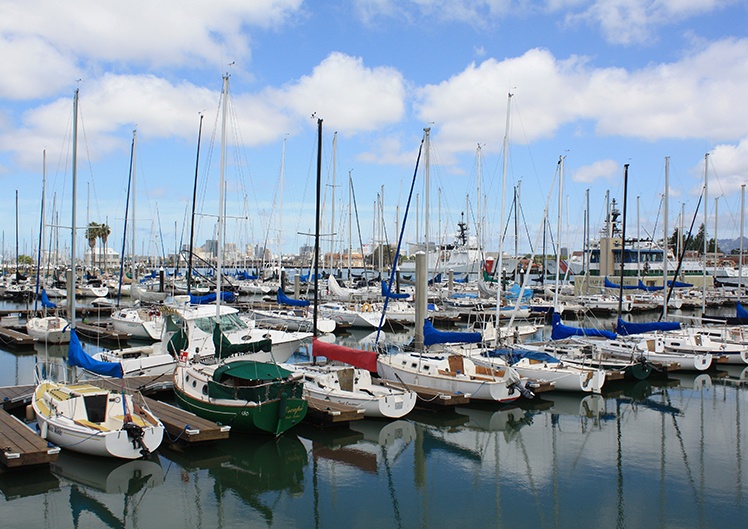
point(602, 169)
point(635, 21)
point(52, 42)
point(349, 96)
point(729, 165)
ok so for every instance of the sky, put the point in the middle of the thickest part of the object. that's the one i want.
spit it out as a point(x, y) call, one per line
point(597, 83)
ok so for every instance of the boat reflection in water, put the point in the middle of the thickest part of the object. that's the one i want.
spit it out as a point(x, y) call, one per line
point(257, 465)
point(88, 477)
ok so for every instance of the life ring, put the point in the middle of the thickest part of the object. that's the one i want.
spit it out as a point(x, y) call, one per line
point(366, 307)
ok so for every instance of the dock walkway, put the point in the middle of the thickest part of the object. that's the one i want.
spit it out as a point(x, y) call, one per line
point(21, 446)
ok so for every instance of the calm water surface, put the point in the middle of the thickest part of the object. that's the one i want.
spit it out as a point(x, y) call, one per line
point(660, 453)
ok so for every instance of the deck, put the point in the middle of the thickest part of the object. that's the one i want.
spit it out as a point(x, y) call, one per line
point(20, 446)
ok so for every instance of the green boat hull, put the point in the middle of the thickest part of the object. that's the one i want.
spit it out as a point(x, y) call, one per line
point(272, 417)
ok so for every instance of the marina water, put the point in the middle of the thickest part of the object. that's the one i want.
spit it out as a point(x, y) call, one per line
point(657, 453)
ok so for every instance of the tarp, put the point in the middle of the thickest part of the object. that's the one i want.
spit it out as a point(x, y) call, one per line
point(46, 303)
point(512, 356)
point(610, 284)
point(355, 357)
point(228, 297)
point(646, 288)
point(436, 279)
point(433, 336)
point(512, 293)
point(78, 357)
point(387, 293)
point(625, 328)
point(741, 311)
point(283, 299)
point(561, 331)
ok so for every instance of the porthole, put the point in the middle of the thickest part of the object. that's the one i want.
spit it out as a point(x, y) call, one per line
point(194, 383)
point(205, 389)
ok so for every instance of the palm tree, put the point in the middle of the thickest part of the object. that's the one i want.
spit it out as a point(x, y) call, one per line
point(92, 233)
point(104, 232)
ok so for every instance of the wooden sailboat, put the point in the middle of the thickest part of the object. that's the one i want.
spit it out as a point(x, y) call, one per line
point(231, 387)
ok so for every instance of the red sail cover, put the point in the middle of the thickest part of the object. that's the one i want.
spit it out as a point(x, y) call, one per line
point(355, 357)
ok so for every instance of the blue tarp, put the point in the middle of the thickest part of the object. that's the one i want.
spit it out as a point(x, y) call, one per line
point(644, 287)
point(610, 284)
point(514, 355)
point(243, 275)
point(625, 328)
point(283, 299)
point(45, 301)
point(432, 336)
point(741, 311)
point(387, 293)
point(210, 298)
point(561, 331)
point(78, 357)
point(513, 293)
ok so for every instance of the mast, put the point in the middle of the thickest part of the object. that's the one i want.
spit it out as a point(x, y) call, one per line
point(316, 224)
point(194, 199)
point(499, 262)
point(623, 236)
point(561, 162)
point(134, 179)
point(666, 204)
point(427, 185)
point(706, 243)
point(221, 197)
point(71, 278)
point(41, 228)
point(742, 222)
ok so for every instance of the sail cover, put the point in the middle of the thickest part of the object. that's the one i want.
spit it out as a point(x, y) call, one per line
point(610, 284)
point(512, 356)
point(355, 357)
point(78, 357)
point(387, 293)
point(561, 331)
point(46, 303)
point(226, 296)
point(433, 336)
point(625, 328)
point(283, 299)
point(741, 311)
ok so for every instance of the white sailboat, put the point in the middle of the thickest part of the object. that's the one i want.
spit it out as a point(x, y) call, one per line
point(84, 417)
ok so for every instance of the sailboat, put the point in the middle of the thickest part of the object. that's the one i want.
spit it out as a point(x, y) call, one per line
point(231, 387)
point(84, 417)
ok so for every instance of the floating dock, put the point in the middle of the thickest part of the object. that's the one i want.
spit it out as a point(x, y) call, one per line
point(20, 446)
point(183, 426)
point(15, 339)
point(327, 413)
point(431, 398)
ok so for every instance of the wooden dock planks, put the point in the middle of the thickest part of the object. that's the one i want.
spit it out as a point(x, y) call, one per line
point(21, 446)
point(185, 426)
point(325, 412)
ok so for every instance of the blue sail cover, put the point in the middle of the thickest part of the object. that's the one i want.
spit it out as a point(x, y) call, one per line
point(283, 299)
point(512, 356)
point(433, 336)
point(46, 303)
point(625, 328)
point(679, 284)
point(78, 357)
point(646, 288)
point(243, 275)
point(513, 293)
point(387, 293)
point(561, 331)
point(610, 284)
point(228, 297)
point(436, 279)
point(741, 311)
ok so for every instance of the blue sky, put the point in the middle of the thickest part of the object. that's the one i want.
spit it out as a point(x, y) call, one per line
point(601, 82)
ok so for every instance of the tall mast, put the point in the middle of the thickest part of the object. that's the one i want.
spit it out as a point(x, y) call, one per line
point(427, 185)
point(500, 262)
point(665, 290)
point(561, 162)
point(71, 279)
point(706, 243)
point(194, 198)
point(134, 194)
point(316, 224)
point(219, 232)
point(742, 221)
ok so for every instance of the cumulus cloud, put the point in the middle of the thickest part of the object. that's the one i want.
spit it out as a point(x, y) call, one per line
point(602, 169)
point(729, 164)
point(53, 42)
point(635, 21)
point(349, 96)
point(693, 98)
